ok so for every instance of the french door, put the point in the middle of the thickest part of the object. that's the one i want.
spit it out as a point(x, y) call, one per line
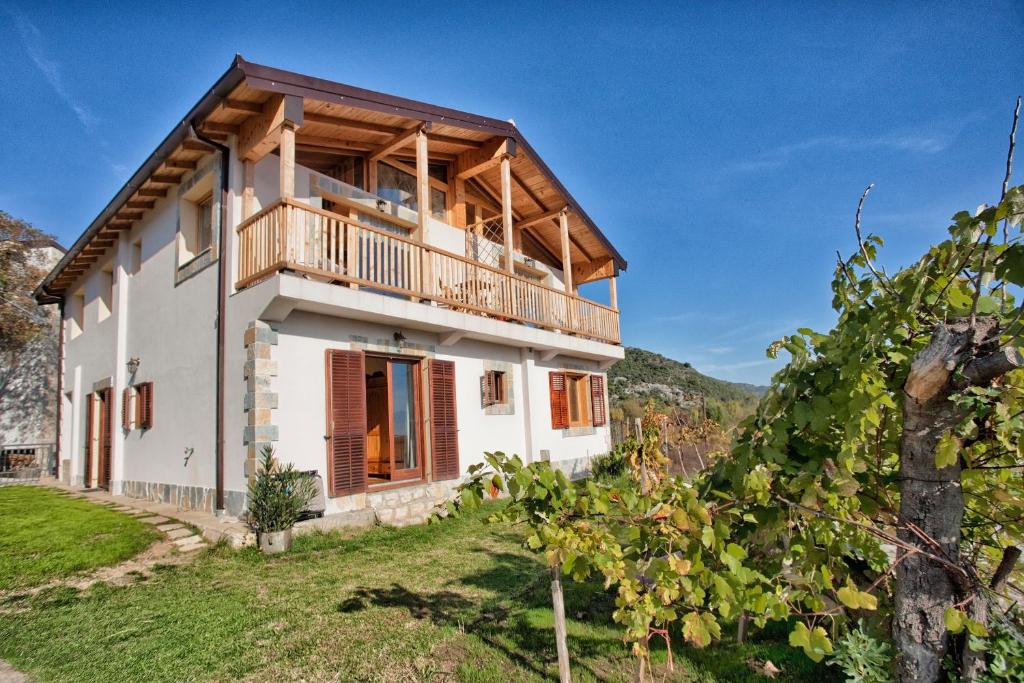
point(405, 447)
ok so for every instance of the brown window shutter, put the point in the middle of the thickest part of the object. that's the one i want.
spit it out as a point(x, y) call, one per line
point(597, 403)
point(444, 427)
point(126, 396)
point(346, 422)
point(106, 428)
point(90, 399)
point(490, 390)
point(558, 386)
point(144, 405)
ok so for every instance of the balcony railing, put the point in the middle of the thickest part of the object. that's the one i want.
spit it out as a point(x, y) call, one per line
point(288, 235)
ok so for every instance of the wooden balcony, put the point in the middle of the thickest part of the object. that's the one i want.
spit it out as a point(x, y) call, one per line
point(291, 236)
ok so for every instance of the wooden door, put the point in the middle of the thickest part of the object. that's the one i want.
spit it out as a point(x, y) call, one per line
point(378, 434)
point(346, 422)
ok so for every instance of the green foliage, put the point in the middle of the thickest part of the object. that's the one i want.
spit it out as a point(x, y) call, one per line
point(664, 552)
point(611, 465)
point(863, 658)
point(815, 471)
point(277, 495)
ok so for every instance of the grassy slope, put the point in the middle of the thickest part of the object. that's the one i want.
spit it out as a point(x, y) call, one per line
point(640, 366)
point(46, 535)
point(456, 601)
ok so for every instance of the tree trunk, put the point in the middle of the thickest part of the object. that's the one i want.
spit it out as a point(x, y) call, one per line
point(558, 603)
point(932, 500)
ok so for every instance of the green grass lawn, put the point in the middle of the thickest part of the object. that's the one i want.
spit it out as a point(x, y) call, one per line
point(46, 535)
point(459, 601)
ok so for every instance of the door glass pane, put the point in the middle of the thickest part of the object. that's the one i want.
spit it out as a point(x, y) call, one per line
point(403, 402)
point(574, 400)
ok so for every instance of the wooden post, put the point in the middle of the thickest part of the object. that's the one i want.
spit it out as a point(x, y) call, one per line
point(558, 604)
point(613, 293)
point(287, 160)
point(248, 179)
point(506, 211)
point(371, 176)
point(422, 185)
point(563, 224)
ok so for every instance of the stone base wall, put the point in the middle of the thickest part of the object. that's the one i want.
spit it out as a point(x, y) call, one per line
point(409, 504)
point(260, 431)
point(576, 468)
point(184, 497)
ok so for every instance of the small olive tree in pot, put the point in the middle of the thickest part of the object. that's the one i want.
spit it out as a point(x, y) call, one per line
point(277, 496)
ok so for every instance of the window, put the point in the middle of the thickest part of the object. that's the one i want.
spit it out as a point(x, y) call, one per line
point(76, 316)
point(144, 405)
point(195, 219)
point(495, 391)
point(106, 297)
point(399, 187)
point(577, 400)
point(135, 265)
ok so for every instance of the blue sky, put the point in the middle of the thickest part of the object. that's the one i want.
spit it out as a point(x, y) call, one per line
point(721, 147)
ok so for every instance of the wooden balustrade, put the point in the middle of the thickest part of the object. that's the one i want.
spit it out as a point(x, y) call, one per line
point(288, 235)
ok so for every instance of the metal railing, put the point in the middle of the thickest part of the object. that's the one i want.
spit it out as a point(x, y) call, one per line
point(26, 462)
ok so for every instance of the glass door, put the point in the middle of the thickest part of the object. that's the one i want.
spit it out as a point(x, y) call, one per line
point(403, 388)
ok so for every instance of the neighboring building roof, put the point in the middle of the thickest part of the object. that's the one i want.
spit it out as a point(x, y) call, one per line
point(182, 140)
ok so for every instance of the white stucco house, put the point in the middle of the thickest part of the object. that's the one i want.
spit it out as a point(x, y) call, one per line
point(381, 289)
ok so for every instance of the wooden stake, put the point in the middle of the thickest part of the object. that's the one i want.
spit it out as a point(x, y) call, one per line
point(561, 645)
point(422, 185)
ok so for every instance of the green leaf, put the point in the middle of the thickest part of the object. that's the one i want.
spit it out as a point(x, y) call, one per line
point(954, 619)
point(947, 451)
point(815, 644)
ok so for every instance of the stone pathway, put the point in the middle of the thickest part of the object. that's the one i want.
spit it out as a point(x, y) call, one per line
point(9, 674)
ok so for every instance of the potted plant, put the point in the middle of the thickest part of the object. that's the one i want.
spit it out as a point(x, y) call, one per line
point(277, 496)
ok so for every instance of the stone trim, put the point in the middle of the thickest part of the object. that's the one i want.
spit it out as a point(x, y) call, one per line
point(183, 496)
point(390, 346)
point(259, 401)
point(509, 406)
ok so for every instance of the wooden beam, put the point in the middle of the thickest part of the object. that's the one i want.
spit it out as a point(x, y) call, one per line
point(422, 184)
point(506, 212)
point(411, 170)
point(399, 141)
point(261, 134)
point(287, 144)
point(476, 161)
point(152, 192)
point(180, 163)
point(248, 180)
point(543, 207)
point(527, 221)
point(315, 142)
point(371, 176)
point(488, 191)
point(242, 105)
point(128, 215)
point(140, 204)
point(563, 224)
point(593, 270)
point(352, 124)
point(119, 225)
point(456, 199)
point(456, 142)
point(217, 127)
point(164, 178)
point(193, 145)
point(613, 293)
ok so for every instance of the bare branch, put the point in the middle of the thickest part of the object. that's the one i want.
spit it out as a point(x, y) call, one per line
point(1009, 154)
point(984, 369)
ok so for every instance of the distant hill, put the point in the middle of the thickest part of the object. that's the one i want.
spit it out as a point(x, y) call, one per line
point(644, 375)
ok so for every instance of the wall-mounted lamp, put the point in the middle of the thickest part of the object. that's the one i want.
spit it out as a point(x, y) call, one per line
point(133, 365)
point(399, 338)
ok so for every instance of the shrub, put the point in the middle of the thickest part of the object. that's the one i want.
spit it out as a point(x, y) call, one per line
point(277, 495)
point(610, 465)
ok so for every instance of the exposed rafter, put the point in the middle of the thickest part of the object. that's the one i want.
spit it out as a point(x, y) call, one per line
point(398, 141)
point(474, 162)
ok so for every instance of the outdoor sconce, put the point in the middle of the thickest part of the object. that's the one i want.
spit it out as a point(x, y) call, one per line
point(399, 338)
point(133, 365)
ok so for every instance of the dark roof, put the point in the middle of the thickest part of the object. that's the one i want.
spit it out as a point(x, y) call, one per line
point(288, 82)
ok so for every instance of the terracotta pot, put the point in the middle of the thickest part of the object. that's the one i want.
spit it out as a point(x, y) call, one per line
point(274, 542)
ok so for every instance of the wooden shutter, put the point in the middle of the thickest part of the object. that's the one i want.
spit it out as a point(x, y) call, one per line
point(444, 428)
point(90, 399)
point(144, 405)
point(126, 397)
point(597, 403)
point(490, 388)
point(558, 388)
point(346, 422)
point(107, 426)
